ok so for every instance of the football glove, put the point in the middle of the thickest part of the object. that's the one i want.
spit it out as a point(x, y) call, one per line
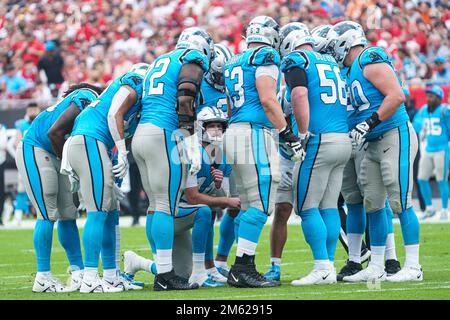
point(293, 144)
point(363, 128)
point(74, 183)
point(121, 168)
point(193, 153)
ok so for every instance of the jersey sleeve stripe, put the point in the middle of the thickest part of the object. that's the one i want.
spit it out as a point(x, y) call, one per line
point(253, 55)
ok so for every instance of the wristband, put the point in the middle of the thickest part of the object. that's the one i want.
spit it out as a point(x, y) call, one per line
point(373, 121)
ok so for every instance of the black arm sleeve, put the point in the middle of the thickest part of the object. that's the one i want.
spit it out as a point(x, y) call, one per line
point(296, 77)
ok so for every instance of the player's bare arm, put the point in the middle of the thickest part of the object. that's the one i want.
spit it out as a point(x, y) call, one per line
point(267, 91)
point(194, 197)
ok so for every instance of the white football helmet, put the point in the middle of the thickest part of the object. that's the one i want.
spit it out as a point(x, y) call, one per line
point(211, 115)
point(197, 39)
point(348, 34)
point(320, 35)
point(263, 29)
point(292, 35)
point(215, 74)
point(140, 68)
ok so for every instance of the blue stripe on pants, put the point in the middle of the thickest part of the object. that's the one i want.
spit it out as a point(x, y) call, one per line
point(404, 165)
point(34, 177)
point(305, 171)
point(96, 168)
point(175, 168)
point(262, 166)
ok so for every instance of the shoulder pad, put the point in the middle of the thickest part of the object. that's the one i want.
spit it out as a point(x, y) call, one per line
point(83, 98)
point(264, 56)
point(372, 55)
point(194, 56)
point(295, 59)
point(133, 80)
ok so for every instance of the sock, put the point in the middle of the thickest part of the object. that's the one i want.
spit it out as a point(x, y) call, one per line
point(43, 238)
point(93, 237)
point(315, 233)
point(109, 274)
point(443, 190)
point(148, 230)
point(70, 240)
point(322, 265)
point(412, 256)
point(118, 245)
point(209, 253)
point(21, 202)
point(275, 261)
point(250, 226)
point(355, 227)
point(377, 255)
point(410, 226)
point(389, 216)
point(221, 264)
point(90, 274)
point(378, 228)
point(198, 263)
point(226, 232)
point(390, 247)
point(425, 190)
point(162, 233)
point(109, 240)
point(237, 221)
point(333, 224)
point(200, 230)
point(18, 216)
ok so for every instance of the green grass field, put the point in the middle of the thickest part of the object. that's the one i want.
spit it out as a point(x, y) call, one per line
point(17, 267)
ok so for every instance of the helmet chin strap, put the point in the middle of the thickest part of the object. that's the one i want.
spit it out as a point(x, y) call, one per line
point(216, 141)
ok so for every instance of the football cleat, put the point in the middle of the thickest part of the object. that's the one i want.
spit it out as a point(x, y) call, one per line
point(75, 282)
point(130, 278)
point(407, 274)
point(349, 269)
point(444, 215)
point(392, 266)
point(372, 272)
point(274, 272)
point(47, 283)
point(170, 281)
point(216, 275)
point(429, 213)
point(98, 286)
point(210, 282)
point(131, 262)
point(125, 283)
point(204, 280)
point(223, 271)
point(365, 255)
point(317, 277)
point(246, 276)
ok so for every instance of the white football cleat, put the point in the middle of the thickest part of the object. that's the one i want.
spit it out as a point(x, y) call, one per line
point(121, 282)
point(317, 277)
point(132, 262)
point(75, 282)
point(47, 283)
point(216, 276)
point(198, 278)
point(407, 274)
point(98, 286)
point(444, 215)
point(372, 272)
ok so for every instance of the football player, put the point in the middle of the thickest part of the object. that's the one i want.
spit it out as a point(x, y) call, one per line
point(105, 124)
point(432, 123)
point(39, 163)
point(318, 96)
point(252, 80)
point(390, 146)
point(170, 91)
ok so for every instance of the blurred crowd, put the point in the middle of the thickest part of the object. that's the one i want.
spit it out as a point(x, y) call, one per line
point(47, 45)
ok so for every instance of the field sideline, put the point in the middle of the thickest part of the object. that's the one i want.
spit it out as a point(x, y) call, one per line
point(17, 267)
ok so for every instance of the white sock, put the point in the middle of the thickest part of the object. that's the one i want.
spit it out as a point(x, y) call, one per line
point(275, 261)
point(377, 256)
point(42, 275)
point(390, 247)
point(146, 265)
point(245, 246)
point(321, 264)
point(429, 208)
point(18, 216)
point(90, 274)
point(164, 261)
point(221, 264)
point(198, 263)
point(109, 274)
point(412, 256)
point(211, 270)
point(354, 247)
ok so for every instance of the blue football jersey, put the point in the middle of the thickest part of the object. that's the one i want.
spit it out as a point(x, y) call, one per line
point(205, 179)
point(93, 122)
point(211, 97)
point(37, 134)
point(240, 83)
point(435, 126)
point(159, 100)
point(327, 93)
point(366, 98)
point(22, 125)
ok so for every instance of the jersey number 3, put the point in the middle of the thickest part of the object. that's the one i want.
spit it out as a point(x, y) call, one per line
point(238, 74)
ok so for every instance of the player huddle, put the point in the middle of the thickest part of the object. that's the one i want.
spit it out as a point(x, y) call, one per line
point(208, 130)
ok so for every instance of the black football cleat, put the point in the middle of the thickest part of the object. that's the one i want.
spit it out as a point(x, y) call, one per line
point(170, 281)
point(349, 269)
point(245, 275)
point(392, 266)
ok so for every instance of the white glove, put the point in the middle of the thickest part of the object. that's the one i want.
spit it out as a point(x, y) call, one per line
point(193, 153)
point(293, 144)
point(359, 132)
point(120, 195)
point(74, 183)
point(121, 168)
